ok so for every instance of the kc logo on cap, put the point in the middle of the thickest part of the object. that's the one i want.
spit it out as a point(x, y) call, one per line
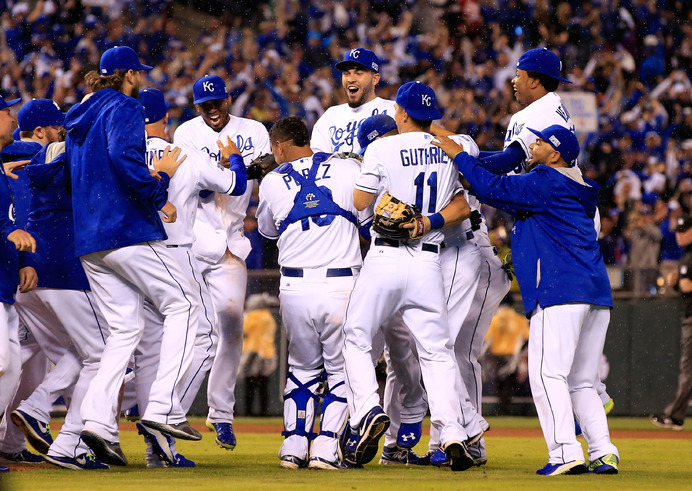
point(360, 57)
point(209, 88)
point(418, 100)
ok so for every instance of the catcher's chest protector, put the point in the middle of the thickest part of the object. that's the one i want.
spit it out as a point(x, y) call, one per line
point(312, 200)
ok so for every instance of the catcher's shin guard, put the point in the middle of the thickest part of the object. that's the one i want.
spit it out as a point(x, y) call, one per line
point(334, 415)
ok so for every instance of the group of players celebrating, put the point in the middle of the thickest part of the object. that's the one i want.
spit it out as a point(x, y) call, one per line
point(148, 239)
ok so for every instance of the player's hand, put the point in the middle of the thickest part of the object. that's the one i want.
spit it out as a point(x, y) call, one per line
point(12, 166)
point(169, 162)
point(22, 240)
point(414, 230)
point(155, 174)
point(448, 146)
point(28, 279)
point(227, 150)
point(170, 214)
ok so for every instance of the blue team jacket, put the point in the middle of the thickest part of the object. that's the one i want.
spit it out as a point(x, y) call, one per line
point(20, 150)
point(51, 224)
point(556, 256)
point(9, 258)
point(115, 201)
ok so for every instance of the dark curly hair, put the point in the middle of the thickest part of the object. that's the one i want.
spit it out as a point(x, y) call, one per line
point(291, 129)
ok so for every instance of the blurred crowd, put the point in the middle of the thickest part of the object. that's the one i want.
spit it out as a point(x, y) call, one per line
point(278, 58)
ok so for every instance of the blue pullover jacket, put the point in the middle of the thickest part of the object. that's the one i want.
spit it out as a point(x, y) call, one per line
point(556, 256)
point(115, 200)
point(51, 224)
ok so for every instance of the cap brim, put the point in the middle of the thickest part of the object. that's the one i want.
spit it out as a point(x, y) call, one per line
point(209, 98)
point(537, 133)
point(146, 68)
point(347, 65)
point(12, 102)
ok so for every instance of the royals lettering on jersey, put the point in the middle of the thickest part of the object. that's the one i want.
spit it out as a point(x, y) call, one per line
point(247, 149)
point(337, 129)
point(341, 136)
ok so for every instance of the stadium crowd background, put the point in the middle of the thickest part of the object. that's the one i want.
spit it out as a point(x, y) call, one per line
point(278, 58)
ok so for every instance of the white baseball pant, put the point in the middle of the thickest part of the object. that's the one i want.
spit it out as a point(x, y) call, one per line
point(407, 279)
point(33, 371)
point(227, 281)
point(10, 361)
point(312, 312)
point(565, 346)
point(121, 279)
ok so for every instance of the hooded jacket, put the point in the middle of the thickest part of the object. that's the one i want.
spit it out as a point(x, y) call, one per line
point(51, 223)
point(115, 200)
point(556, 256)
point(9, 257)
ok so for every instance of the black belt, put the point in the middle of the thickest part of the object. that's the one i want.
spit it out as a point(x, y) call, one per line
point(380, 241)
point(331, 272)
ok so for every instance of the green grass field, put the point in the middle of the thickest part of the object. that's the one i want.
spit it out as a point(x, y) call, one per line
point(651, 460)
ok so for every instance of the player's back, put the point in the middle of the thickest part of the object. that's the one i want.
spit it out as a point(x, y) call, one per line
point(326, 240)
point(414, 171)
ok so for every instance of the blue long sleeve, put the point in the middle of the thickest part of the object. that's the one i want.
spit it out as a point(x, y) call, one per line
point(238, 166)
point(511, 158)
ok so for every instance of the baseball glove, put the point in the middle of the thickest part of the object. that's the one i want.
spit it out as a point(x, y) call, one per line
point(261, 166)
point(508, 265)
point(390, 216)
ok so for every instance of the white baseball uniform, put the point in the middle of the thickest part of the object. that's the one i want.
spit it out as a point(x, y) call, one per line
point(200, 340)
point(405, 277)
point(337, 128)
point(320, 258)
point(222, 248)
point(540, 114)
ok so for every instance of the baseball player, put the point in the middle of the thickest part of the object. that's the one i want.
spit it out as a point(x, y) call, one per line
point(80, 329)
point(220, 245)
point(337, 129)
point(119, 240)
point(12, 239)
point(460, 261)
point(565, 290)
point(406, 166)
point(40, 122)
point(307, 204)
point(183, 192)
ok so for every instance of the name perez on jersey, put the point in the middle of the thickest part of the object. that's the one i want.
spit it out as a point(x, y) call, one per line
point(347, 134)
point(422, 156)
point(321, 174)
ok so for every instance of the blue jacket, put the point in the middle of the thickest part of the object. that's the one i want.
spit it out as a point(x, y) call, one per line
point(554, 248)
point(51, 224)
point(115, 201)
point(21, 150)
point(9, 258)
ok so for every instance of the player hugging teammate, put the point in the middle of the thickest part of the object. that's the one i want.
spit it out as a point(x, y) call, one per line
point(156, 293)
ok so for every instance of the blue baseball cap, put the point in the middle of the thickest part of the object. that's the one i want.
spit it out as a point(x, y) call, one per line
point(374, 127)
point(418, 100)
point(562, 140)
point(542, 60)
point(40, 112)
point(361, 57)
point(5, 104)
point(120, 58)
point(209, 88)
point(155, 105)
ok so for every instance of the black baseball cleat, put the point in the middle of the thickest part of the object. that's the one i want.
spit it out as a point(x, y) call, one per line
point(457, 453)
point(182, 430)
point(105, 451)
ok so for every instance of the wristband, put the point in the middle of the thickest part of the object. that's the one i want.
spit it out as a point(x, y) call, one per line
point(436, 221)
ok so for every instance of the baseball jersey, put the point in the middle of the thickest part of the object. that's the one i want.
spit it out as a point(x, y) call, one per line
point(337, 128)
point(191, 177)
point(318, 241)
point(413, 170)
point(219, 222)
point(539, 115)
